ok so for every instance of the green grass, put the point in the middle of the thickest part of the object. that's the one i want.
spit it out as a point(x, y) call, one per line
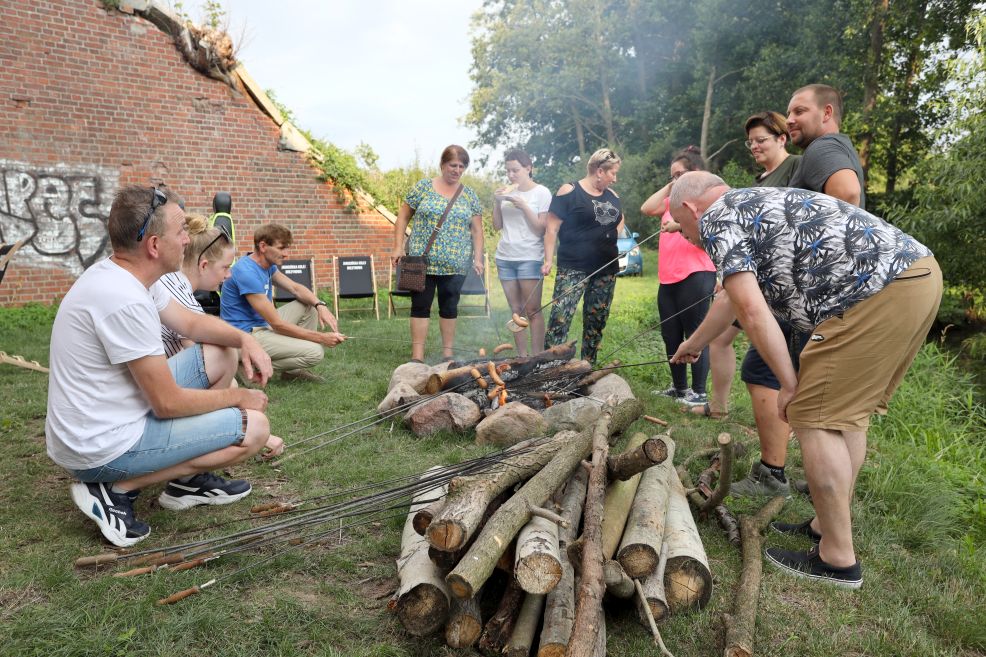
point(920, 519)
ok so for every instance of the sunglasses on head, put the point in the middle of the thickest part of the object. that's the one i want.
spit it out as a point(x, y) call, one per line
point(222, 235)
point(159, 199)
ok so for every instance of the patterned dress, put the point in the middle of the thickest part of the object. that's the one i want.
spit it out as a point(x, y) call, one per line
point(452, 251)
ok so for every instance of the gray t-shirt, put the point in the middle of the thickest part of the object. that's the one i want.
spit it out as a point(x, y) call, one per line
point(823, 157)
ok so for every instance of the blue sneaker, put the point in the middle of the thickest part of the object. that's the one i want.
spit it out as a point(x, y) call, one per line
point(204, 488)
point(112, 512)
point(692, 398)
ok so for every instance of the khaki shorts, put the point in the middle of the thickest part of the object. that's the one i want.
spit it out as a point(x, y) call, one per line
point(853, 363)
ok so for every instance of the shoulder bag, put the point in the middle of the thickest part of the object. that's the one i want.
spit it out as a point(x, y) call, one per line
point(411, 270)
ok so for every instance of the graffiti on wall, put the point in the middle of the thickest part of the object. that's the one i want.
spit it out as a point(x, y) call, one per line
point(61, 209)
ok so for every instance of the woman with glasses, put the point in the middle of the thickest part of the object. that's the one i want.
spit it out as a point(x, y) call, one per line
point(584, 219)
point(205, 266)
point(520, 212)
point(687, 279)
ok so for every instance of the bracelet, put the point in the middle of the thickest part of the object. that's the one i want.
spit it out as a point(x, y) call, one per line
point(321, 303)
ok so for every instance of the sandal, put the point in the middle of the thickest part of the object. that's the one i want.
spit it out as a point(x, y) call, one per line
point(705, 410)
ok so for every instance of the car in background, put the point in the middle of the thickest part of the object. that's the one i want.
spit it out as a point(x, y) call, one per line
point(631, 262)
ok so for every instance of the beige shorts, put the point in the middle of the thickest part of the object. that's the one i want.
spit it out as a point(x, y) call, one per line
point(853, 363)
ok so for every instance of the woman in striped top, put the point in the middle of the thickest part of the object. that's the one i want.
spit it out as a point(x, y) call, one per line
point(206, 265)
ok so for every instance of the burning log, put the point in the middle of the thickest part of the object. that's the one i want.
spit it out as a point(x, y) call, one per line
point(526, 627)
point(559, 609)
point(464, 624)
point(589, 598)
point(459, 373)
point(640, 549)
point(422, 600)
point(468, 497)
point(740, 624)
point(479, 561)
point(538, 565)
point(688, 579)
point(498, 629)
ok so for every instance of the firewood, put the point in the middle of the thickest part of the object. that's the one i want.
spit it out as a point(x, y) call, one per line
point(599, 650)
point(619, 497)
point(469, 496)
point(725, 473)
point(653, 594)
point(459, 372)
point(559, 607)
point(645, 607)
point(589, 597)
point(446, 560)
point(526, 627)
point(497, 631)
point(537, 567)
point(475, 567)
point(729, 525)
point(741, 623)
point(425, 514)
point(422, 600)
point(464, 624)
point(594, 376)
point(618, 584)
point(688, 580)
point(631, 462)
point(640, 549)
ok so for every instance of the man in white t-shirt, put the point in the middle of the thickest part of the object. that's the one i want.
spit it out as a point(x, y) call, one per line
point(120, 415)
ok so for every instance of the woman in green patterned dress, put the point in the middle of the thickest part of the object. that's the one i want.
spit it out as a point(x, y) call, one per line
point(459, 241)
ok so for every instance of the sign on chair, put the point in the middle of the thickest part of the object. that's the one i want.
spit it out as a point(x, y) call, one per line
point(299, 271)
point(355, 278)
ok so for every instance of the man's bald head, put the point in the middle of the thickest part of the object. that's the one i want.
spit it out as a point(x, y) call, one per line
point(691, 196)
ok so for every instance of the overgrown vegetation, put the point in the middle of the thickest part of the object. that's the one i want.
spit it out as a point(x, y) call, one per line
point(919, 515)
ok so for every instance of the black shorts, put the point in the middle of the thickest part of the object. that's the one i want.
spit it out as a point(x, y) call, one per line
point(448, 288)
point(755, 370)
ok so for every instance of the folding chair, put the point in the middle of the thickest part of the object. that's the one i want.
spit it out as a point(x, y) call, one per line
point(299, 271)
point(7, 252)
point(354, 277)
point(477, 286)
point(393, 276)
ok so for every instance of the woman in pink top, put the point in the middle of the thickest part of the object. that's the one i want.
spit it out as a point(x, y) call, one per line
point(687, 277)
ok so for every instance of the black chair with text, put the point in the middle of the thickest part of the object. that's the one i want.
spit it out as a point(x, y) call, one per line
point(355, 278)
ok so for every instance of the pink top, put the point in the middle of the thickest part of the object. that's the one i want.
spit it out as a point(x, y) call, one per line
point(678, 258)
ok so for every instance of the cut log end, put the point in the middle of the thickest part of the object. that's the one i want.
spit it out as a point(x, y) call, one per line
point(638, 560)
point(538, 573)
point(459, 586)
point(688, 583)
point(446, 535)
point(553, 650)
point(423, 610)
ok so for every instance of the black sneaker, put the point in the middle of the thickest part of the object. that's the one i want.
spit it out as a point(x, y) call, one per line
point(204, 488)
point(796, 529)
point(672, 392)
point(809, 564)
point(112, 512)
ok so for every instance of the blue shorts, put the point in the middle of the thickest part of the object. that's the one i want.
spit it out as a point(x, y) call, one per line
point(755, 370)
point(169, 442)
point(519, 270)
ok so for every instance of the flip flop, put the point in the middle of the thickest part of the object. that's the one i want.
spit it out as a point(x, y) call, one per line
point(706, 411)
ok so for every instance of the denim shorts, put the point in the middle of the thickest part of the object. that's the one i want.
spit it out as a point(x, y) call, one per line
point(514, 270)
point(168, 442)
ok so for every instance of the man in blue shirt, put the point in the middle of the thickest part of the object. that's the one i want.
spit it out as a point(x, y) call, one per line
point(288, 334)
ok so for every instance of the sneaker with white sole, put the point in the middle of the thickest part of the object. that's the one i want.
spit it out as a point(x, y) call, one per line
point(112, 512)
point(810, 565)
point(204, 488)
point(693, 398)
point(672, 392)
point(761, 482)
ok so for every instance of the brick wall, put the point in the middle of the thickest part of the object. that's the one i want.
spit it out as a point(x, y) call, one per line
point(91, 100)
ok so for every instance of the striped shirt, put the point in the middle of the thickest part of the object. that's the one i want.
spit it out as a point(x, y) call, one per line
point(180, 288)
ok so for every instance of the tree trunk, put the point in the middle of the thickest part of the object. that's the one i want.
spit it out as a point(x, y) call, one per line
point(469, 496)
point(475, 567)
point(618, 584)
point(538, 564)
point(632, 462)
point(688, 580)
point(742, 622)
point(464, 624)
point(640, 549)
point(559, 610)
point(707, 114)
point(500, 626)
point(654, 595)
point(579, 131)
point(526, 627)
point(422, 599)
point(426, 513)
point(871, 82)
point(589, 598)
point(619, 497)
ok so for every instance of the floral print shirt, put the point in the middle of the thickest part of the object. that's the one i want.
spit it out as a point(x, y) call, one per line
point(452, 251)
point(814, 256)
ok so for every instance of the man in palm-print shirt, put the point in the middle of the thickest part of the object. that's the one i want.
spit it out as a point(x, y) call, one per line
point(866, 292)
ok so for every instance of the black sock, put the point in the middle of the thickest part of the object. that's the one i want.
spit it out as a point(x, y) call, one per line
point(778, 472)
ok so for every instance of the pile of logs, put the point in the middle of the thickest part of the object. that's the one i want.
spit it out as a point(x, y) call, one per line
point(567, 525)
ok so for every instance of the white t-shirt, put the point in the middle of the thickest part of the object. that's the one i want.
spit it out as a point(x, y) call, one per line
point(518, 242)
point(96, 411)
point(180, 289)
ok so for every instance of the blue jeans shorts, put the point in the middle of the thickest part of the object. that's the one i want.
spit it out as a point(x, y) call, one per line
point(519, 270)
point(168, 442)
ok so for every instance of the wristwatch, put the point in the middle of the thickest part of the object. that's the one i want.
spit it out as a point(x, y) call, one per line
point(321, 303)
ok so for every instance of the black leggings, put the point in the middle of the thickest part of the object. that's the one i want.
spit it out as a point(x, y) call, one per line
point(448, 296)
point(674, 298)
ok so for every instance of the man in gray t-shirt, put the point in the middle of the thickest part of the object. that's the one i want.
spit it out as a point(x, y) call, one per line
point(830, 163)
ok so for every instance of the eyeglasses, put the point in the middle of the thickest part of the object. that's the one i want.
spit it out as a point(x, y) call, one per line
point(222, 234)
point(159, 199)
point(759, 141)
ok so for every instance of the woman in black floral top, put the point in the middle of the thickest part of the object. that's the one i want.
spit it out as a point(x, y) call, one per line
point(459, 239)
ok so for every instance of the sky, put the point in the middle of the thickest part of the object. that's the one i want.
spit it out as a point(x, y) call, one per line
point(391, 73)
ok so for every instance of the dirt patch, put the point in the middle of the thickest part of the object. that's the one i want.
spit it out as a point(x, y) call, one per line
point(12, 601)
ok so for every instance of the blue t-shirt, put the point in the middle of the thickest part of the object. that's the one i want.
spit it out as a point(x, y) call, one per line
point(247, 277)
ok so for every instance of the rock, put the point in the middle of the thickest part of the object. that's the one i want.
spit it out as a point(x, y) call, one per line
point(510, 424)
point(399, 395)
point(449, 411)
point(413, 374)
point(611, 385)
point(575, 414)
